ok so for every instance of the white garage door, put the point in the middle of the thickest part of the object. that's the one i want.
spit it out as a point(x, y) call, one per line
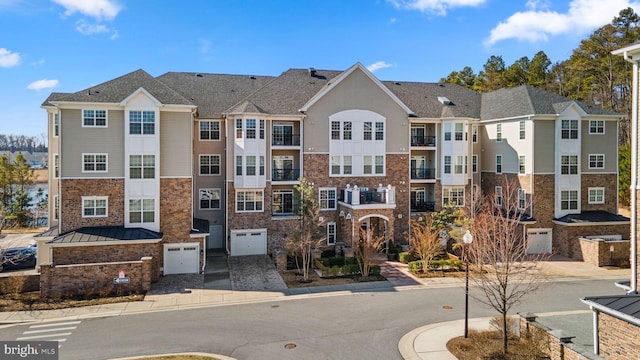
point(539, 241)
point(248, 242)
point(182, 258)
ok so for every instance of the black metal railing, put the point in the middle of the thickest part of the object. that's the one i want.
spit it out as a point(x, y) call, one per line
point(285, 140)
point(421, 174)
point(423, 206)
point(285, 174)
point(423, 140)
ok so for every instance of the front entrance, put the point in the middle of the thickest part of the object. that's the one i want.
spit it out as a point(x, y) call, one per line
point(373, 226)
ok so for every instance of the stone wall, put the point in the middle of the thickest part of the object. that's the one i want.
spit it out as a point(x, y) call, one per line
point(549, 342)
point(175, 209)
point(71, 202)
point(76, 255)
point(618, 339)
point(17, 283)
point(566, 242)
point(94, 279)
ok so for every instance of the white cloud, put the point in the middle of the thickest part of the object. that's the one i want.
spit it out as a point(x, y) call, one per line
point(42, 84)
point(98, 9)
point(438, 7)
point(538, 25)
point(37, 63)
point(378, 65)
point(85, 28)
point(8, 59)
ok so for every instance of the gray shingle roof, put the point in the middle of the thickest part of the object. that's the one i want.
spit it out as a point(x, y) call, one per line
point(527, 100)
point(118, 89)
point(213, 93)
point(290, 91)
point(422, 98)
point(592, 217)
point(624, 306)
point(105, 234)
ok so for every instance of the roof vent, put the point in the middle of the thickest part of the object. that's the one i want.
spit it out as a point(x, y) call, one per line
point(444, 100)
point(312, 72)
point(252, 78)
point(397, 83)
point(198, 75)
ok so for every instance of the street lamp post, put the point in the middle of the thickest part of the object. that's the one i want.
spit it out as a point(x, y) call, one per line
point(468, 239)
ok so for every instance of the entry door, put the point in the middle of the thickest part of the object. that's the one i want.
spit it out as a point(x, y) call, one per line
point(216, 240)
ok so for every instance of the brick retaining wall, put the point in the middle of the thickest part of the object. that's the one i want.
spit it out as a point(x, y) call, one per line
point(16, 284)
point(94, 280)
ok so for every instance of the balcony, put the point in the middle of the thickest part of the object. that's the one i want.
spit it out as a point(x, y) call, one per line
point(381, 197)
point(423, 174)
point(285, 174)
point(423, 206)
point(420, 140)
point(285, 140)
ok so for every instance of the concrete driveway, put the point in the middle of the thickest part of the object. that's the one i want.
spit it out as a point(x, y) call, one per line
point(254, 273)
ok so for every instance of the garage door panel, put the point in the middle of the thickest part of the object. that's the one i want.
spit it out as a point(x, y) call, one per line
point(181, 258)
point(251, 242)
point(539, 241)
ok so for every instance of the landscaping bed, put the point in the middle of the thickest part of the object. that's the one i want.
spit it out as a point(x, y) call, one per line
point(30, 301)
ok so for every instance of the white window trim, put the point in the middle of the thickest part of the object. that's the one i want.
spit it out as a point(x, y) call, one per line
point(331, 232)
point(209, 208)
point(142, 211)
point(474, 163)
point(522, 164)
point(156, 125)
point(250, 211)
point(56, 208)
point(210, 121)
point(94, 199)
point(474, 134)
point(448, 190)
point(570, 129)
point(596, 167)
point(520, 197)
point(598, 133)
point(499, 132)
point(498, 199)
point(595, 189)
point(569, 191)
point(335, 198)
point(56, 124)
point(106, 119)
point(522, 130)
point(210, 155)
point(56, 166)
point(499, 156)
point(106, 165)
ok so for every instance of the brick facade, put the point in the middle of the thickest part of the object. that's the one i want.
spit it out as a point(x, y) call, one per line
point(618, 339)
point(551, 345)
point(95, 279)
point(607, 181)
point(566, 239)
point(175, 209)
point(73, 190)
point(74, 255)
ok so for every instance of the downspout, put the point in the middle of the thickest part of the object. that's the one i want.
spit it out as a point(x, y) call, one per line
point(634, 177)
point(596, 331)
point(227, 233)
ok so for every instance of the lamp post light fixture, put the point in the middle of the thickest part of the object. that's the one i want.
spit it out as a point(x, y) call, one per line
point(468, 239)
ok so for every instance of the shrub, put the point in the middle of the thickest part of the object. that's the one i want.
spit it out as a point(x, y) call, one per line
point(415, 266)
point(337, 260)
point(406, 257)
point(375, 270)
point(332, 271)
point(350, 269)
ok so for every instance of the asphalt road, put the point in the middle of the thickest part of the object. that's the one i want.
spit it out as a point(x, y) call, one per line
point(366, 325)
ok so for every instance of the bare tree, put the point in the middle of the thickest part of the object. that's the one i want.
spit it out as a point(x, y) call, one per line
point(508, 273)
point(425, 240)
point(368, 245)
point(309, 234)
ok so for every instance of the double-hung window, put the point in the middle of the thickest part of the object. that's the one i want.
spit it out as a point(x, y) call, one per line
point(251, 166)
point(447, 164)
point(327, 197)
point(569, 164)
point(56, 124)
point(238, 165)
point(347, 167)
point(379, 164)
point(499, 132)
point(94, 118)
point(447, 132)
point(94, 206)
point(453, 196)
point(209, 164)
point(238, 128)
point(335, 130)
point(141, 211)
point(368, 166)
point(94, 162)
point(596, 161)
point(474, 163)
point(142, 166)
point(522, 199)
point(498, 195)
point(209, 130)
point(474, 133)
point(459, 127)
point(142, 122)
point(459, 164)
point(367, 130)
point(251, 128)
point(379, 131)
point(209, 199)
point(596, 195)
point(523, 130)
point(569, 129)
point(335, 165)
point(249, 200)
point(522, 162)
point(346, 130)
point(596, 127)
point(498, 164)
point(569, 200)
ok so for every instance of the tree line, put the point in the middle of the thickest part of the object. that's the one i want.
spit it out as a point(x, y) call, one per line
point(17, 206)
point(23, 143)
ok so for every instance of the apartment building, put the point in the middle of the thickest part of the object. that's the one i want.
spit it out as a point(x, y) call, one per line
point(182, 163)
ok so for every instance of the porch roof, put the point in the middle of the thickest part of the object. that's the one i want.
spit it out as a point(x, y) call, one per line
point(586, 217)
point(98, 234)
point(624, 307)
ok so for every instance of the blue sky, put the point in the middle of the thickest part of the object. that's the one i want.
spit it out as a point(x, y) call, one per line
point(69, 45)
